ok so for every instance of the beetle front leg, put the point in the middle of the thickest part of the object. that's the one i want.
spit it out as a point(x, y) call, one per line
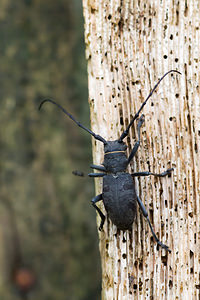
point(167, 172)
point(137, 144)
point(95, 200)
point(145, 214)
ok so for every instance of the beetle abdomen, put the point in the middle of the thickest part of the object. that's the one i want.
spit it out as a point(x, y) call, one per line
point(119, 199)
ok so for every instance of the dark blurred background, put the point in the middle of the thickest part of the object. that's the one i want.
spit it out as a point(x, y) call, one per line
point(48, 235)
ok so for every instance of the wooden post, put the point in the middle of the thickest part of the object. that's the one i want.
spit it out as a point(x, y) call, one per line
point(129, 46)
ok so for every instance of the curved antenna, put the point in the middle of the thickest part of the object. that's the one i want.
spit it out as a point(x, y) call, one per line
point(125, 132)
point(97, 137)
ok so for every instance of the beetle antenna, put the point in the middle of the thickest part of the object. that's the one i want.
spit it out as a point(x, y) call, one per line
point(125, 132)
point(97, 137)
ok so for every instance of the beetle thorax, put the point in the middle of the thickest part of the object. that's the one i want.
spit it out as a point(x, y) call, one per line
point(115, 159)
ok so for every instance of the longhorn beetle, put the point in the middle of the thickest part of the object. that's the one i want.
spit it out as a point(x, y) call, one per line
point(119, 195)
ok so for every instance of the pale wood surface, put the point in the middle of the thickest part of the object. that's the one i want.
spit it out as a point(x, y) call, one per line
point(129, 45)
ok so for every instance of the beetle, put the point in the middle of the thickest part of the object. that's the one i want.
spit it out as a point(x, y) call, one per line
point(119, 194)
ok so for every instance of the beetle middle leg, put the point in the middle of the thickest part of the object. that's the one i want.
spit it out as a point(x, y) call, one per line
point(145, 214)
point(95, 200)
point(163, 174)
point(96, 174)
point(97, 167)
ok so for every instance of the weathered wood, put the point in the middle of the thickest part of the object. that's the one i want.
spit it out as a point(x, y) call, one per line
point(129, 45)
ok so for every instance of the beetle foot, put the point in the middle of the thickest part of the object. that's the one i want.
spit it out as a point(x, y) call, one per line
point(165, 173)
point(164, 246)
point(101, 225)
point(141, 121)
point(168, 171)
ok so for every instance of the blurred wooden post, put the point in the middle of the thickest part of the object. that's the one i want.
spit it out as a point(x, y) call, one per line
point(9, 250)
point(129, 46)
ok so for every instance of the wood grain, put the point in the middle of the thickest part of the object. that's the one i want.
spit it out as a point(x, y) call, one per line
point(129, 46)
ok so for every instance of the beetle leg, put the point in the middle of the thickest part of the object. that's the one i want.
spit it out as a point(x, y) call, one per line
point(145, 214)
point(78, 173)
point(137, 144)
point(96, 167)
point(167, 172)
point(96, 174)
point(95, 200)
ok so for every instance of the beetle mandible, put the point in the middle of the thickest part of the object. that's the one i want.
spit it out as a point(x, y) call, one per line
point(119, 195)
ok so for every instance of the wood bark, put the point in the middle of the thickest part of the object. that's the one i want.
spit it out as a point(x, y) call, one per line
point(129, 46)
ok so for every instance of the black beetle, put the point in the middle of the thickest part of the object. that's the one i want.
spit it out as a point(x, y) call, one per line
point(119, 195)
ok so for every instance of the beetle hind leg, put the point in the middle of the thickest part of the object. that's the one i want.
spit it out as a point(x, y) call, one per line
point(145, 214)
point(94, 201)
point(156, 238)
